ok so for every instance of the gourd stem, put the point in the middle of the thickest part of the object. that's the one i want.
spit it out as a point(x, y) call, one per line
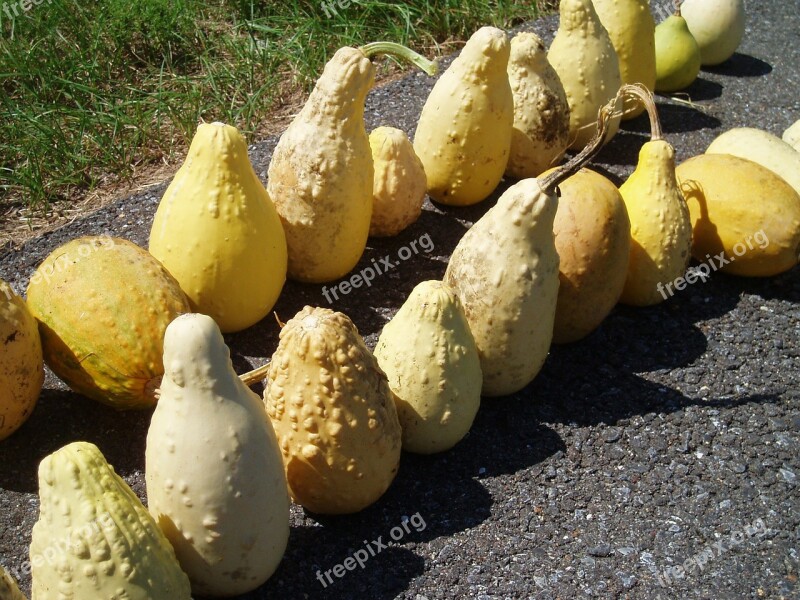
point(255, 376)
point(401, 52)
point(678, 7)
point(644, 96)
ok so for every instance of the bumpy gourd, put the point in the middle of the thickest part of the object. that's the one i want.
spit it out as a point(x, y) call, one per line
point(717, 25)
point(745, 219)
point(94, 538)
point(631, 27)
point(215, 480)
point(8, 587)
point(103, 305)
point(432, 364)
point(661, 233)
point(463, 135)
point(399, 186)
point(333, 413)
point(21, 364)
point(587, 64)
point(792, 135)
point(321, 173)
point(541, 111)
point(677, 55)
point(217, 232)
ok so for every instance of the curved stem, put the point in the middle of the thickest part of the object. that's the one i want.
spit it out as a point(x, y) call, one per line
point(255, 376)
point(644, 96)
point(401, 52)
point(677, 4)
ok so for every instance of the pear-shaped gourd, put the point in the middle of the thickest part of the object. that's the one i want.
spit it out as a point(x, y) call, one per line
point(215, 479)
point(8, 587)
point(463, 135)
point(333, 413)
point(541, 111)
point(94, 538)
point(792, 135)
point(631, 26)
point(399, 187)
point(431, 361)
point(677, 55)
point(717, 25)
point(661, 233)
point(321, 173)
point(584, 58)
point(218, 233)
point(21, 363)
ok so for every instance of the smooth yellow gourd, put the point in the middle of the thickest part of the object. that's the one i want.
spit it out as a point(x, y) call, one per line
point(333, 413)
point(541, 111)
point(717, 25)
point(463, 136)
point(431, 361)
point(792, 135)
point(215, 479)
point(21, 362)
point(217, 231)
point(8, 587)
point(677, 55)
point(94, 538)
point(587, 64)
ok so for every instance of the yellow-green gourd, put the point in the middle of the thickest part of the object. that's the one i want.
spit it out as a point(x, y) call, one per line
point(21, 363)
point(541, 111)
point(677, 55)
point(432, 364)
point(94, 538)
point(333, 413)
point(215, 479)
point(587, 64)
point(717, 25)
point(321, 174)
point(792, 135)
point(8, 587)
point(463, 135)
point(399, 186)
point(217, 232)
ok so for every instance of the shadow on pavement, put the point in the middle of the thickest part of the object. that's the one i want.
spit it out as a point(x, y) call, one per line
point(741, 65)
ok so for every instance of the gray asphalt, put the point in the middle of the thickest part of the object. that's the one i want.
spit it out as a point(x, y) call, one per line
point(668, 438)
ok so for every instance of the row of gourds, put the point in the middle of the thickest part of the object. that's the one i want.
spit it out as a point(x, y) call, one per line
point(547, 263)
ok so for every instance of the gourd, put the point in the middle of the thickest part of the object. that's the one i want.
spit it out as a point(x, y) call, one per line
point(746, 219)
point(321, 173)
point(661, 233)
point(21, 365)
point(541, 111)
point(217, 232)
point(763, 148)
point(333, 413)
point(631, 27)
point(792, 135)
point(504, 271)
point(463, 136)
point(214, 473)
point(717, 25)
point(677, 55)
point(103, 305)
point(432, 364)
point(399, 186)
point(587, 64)
point(94, 538)
point(8, 587)
point(592, 236)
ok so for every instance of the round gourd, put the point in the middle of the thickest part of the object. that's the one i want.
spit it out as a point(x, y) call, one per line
point(677, 55)
point(103, 305)
point(717, 25)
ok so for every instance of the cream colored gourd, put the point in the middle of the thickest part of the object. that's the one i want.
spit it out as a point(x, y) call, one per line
point(593, 236)
point(717, 25)
point(792, 135)
point(763, 148)
point(8, 587)
point(214, 473)
point(94, 538)
point(587, 64)
point(463, 136)
point(333, 412)
point(321, 173)
point(631, 27)
point(21, 362)
point(399, 187)
point(541, 111)
point(661, 233)
point(432, 364)
point(677, 55)
point(217, 231)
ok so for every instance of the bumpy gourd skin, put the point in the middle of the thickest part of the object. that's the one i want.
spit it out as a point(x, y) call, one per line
point(505, 272)
point(21, 363)
point(334, 414)
point(217, 232)
point(94, 538)
point(432, 363)
point(215, 480)
point(8, 587)
point(463, 136)
point(321, 173)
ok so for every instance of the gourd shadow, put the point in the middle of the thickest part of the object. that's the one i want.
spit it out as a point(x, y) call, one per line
point(701, 89)
point(741, 65)
point(675, 118)
point(623, 149)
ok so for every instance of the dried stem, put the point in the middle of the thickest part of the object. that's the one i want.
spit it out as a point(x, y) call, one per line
point(645, 96)
point(255, 376)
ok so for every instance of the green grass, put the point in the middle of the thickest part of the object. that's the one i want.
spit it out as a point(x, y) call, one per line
point(92, 90)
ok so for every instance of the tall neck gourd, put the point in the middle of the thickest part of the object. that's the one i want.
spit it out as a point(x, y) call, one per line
point(584, 58)
point(321, 173)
